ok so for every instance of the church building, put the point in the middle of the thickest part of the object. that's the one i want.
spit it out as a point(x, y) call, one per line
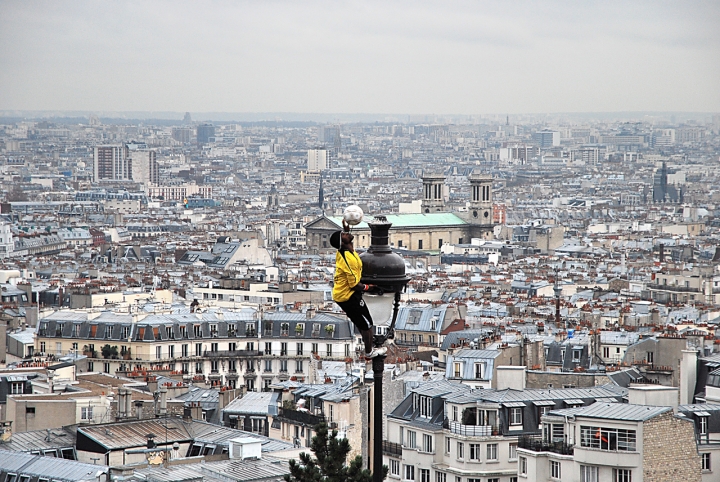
point(426, 231)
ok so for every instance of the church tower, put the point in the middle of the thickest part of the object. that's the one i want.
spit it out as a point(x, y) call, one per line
point(433, 193)
point(481, 201)
point(272, 199)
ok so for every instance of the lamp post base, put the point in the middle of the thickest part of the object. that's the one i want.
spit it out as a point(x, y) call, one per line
point(378, 364)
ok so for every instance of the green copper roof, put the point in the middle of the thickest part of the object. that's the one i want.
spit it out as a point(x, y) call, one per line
point(411, 220)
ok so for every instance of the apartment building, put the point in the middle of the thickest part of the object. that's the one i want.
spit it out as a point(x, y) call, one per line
point(220, 348)
point(447, 432)
point(616, 442)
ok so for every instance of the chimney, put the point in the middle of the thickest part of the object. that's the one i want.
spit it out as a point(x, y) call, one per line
point(121, 404)
point(688, 376)
point(139, 409)
point(509, 377)
point(310, 312)
point(128, 402)
point(163, 400)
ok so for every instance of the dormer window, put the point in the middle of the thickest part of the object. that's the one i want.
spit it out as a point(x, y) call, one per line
point(576, 355)
point(284, 329)
point(425, 407)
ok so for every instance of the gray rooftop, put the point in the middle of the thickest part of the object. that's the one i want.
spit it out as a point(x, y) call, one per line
point(48, 467)
point(615, 411)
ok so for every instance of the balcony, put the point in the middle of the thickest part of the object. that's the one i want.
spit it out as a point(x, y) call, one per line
point(299, 417)
point(471, 430)
point(537, 444)
point(392, 449)
point(231, 353)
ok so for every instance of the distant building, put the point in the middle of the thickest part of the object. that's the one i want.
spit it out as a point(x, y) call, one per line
point(110, 163)
point(130, 162)
point(317, 160)
point(205, 133)
point(546, 139)
point(6, 241)
point(662, 192)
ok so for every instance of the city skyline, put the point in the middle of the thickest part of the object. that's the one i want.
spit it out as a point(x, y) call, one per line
point(318, 57)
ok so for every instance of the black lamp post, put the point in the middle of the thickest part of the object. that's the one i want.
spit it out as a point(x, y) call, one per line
point(386, 270)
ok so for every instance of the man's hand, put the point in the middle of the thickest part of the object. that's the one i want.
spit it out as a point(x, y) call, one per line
point(346, 226)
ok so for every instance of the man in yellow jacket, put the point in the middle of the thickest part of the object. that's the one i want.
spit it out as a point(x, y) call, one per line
point(348, 290)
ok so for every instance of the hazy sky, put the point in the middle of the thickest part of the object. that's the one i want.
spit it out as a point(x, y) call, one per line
point(411, 57)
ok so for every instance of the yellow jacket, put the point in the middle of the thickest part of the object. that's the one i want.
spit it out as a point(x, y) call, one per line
point(348, 271)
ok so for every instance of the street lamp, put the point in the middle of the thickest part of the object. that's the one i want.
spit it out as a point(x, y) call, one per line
point(386, 270)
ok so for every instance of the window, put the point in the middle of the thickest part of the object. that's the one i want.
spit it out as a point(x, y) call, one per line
point(447, 445)
point(425, 407)
point(440, 477)
point(427, 443)
point(606, 352)
point(513, 479)
point(516, 416)
point(492, 451)
point(424, 475)
point(420, 244)
point(86, 413)
point(607, 438)
point(197, 331)
point(42, 346)
point(409, 472)
point(31, 410)
point(198, 367)
point(412, 439)
point(455, 413)
point(456, 370)
point(474, 451)
point(314, 348)
point(705, 461)
point(158, 352)
point(440, 243)
point(299, 349)
point(328, 348)
point(171, 351)
point(198, 349)
point(299, 366)
point(479, 369)
point(283, 366)
point(214, 347)
point(106, 367)
point(268, 348)
point(16, 388)
point(576, 355)
point(650, 357)
point(268, 365)
point(622, 475)
point(460, 450)
point(522, 466)
point(589, 473)
point(284, 329)
point(283, 349)
point(184, 351)
point(703, 425)
point(554, 469)
point(394, 467)
point(232, 366)
point(513, 451)
point(91, 366)
point(214, 366)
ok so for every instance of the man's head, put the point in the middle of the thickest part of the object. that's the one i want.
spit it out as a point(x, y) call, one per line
point(341, 239)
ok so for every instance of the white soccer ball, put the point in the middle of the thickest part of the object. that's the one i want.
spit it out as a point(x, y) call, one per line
point(353, 215)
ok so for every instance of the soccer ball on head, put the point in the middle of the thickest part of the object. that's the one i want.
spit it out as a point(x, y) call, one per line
point(353, 215)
